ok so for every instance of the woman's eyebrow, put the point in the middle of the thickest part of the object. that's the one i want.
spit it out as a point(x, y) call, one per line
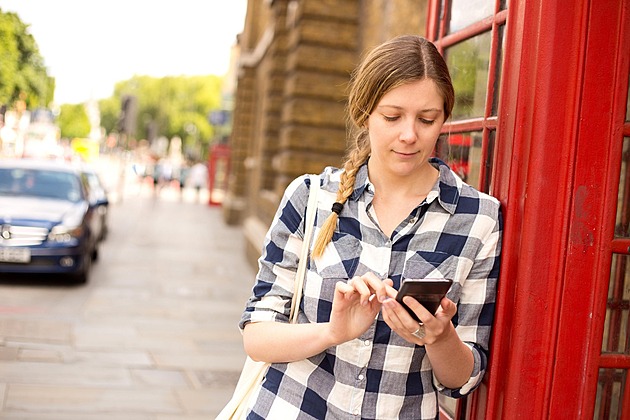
point(400, 107)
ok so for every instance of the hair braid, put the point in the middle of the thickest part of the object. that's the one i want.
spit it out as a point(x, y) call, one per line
point(357, 156)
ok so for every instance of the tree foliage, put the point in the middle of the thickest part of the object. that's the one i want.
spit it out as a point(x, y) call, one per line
point(174, 106)
point(73, 121)
point(23, 75)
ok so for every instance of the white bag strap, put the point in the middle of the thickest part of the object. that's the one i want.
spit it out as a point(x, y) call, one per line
point(309, 222)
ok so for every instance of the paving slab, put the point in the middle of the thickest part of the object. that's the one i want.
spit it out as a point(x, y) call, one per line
point(95, 400)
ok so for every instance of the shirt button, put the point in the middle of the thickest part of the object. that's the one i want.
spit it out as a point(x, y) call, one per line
point(412, 221)
point(361, 377)
point(367, 343)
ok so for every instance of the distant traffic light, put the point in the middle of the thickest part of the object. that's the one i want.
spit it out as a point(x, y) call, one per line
point(128, 112)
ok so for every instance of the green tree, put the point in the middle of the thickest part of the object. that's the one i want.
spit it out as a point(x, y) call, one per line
point(110, 111)
point(73, 121)
point(175, 106)
point(23, 75)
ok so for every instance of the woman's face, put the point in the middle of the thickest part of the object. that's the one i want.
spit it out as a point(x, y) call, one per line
point(404, 127)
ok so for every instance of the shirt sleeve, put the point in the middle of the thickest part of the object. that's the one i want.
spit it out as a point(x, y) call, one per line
point(475, 310)
point(277, 265)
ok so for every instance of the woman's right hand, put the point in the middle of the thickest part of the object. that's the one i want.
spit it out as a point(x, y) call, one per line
point(356, 304)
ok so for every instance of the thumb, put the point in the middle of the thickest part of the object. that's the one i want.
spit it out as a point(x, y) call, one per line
point(448, 307)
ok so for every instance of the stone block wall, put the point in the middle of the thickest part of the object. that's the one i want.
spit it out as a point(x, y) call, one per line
point(289, 116)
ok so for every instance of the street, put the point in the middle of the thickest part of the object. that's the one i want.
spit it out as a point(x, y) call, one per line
point(153, 335)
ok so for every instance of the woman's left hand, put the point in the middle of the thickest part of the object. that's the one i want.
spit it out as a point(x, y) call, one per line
point(430, 330)
point(452, 361)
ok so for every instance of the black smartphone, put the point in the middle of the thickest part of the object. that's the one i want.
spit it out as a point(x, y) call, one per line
point(429, 292)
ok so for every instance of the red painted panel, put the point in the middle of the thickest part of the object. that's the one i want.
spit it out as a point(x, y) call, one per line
point(588, 255)
point(536, 136)
point(594, 208)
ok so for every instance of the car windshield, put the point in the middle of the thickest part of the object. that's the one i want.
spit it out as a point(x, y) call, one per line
point(39, 183)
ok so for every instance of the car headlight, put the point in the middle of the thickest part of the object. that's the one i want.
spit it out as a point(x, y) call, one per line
point(62, 233)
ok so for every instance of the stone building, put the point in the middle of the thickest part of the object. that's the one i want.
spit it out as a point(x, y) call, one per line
point(289, 117)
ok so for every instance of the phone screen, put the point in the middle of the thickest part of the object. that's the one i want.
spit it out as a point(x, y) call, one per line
point(429, 292)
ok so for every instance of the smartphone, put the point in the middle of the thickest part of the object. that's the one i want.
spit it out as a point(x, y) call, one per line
point(429, 292)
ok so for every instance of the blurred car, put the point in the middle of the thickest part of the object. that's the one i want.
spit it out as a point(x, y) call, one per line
point(48, 224)
point(97, 194)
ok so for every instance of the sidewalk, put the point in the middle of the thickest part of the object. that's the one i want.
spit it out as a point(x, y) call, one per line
point(152, 336)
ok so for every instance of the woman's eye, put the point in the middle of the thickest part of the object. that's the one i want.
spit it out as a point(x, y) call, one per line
point(388, 118)
point(427, 122)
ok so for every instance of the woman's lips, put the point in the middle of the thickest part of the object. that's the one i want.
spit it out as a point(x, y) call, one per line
point(406, 154)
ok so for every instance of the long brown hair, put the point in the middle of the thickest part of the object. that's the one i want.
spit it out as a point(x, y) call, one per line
point(401, 60)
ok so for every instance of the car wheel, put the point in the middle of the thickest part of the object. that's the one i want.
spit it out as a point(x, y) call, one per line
point(83, 276)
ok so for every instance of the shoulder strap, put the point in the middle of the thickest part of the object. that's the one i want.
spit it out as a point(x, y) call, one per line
point(309, 221)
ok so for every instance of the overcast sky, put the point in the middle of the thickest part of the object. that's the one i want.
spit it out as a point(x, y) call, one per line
point(89, 45)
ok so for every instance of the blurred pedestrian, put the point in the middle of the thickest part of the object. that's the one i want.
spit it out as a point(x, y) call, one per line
point(198, 177)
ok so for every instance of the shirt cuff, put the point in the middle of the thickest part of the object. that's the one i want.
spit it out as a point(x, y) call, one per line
point(475, 377)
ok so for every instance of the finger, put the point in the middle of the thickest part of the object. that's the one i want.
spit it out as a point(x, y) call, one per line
point(399, 314)
point(344, 289)
point(447, 309)
point(399, 320)
point(363, 289)
point(421, 312)
point(378, 286)
point(390, 314)
point(389, 289)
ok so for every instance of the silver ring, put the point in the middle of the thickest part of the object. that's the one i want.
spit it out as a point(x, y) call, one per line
point(420, 333)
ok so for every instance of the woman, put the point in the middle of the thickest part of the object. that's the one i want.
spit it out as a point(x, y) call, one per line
point(391, 214)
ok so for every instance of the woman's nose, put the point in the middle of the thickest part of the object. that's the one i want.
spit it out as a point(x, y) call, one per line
point(409, 131)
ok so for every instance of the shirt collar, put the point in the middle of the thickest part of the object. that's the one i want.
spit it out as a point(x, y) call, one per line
point(446, 190)
point(448, 186)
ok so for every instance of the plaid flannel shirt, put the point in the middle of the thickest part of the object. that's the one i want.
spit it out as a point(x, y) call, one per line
point(455, 233)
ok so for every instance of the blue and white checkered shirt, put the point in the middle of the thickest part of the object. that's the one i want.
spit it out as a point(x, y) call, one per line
point(455, 233)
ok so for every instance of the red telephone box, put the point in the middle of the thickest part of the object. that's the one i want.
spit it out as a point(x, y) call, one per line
point(542, 90)
point(218, 171)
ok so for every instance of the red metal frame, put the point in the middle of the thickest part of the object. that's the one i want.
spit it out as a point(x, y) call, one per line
point(538, 198)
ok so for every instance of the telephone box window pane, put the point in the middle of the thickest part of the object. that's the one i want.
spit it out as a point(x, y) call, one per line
point(497, 71)
point(615, 338)
point(448, 404)
point(622, 223)
point(504, 4)
point(462, 152)
point(489, 161)
point(609, 398)
point(465, 12)
point(468, 63)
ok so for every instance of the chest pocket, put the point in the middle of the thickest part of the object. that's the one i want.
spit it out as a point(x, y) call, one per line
point(341, 258)
point(430, 264)
point(338, 263)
